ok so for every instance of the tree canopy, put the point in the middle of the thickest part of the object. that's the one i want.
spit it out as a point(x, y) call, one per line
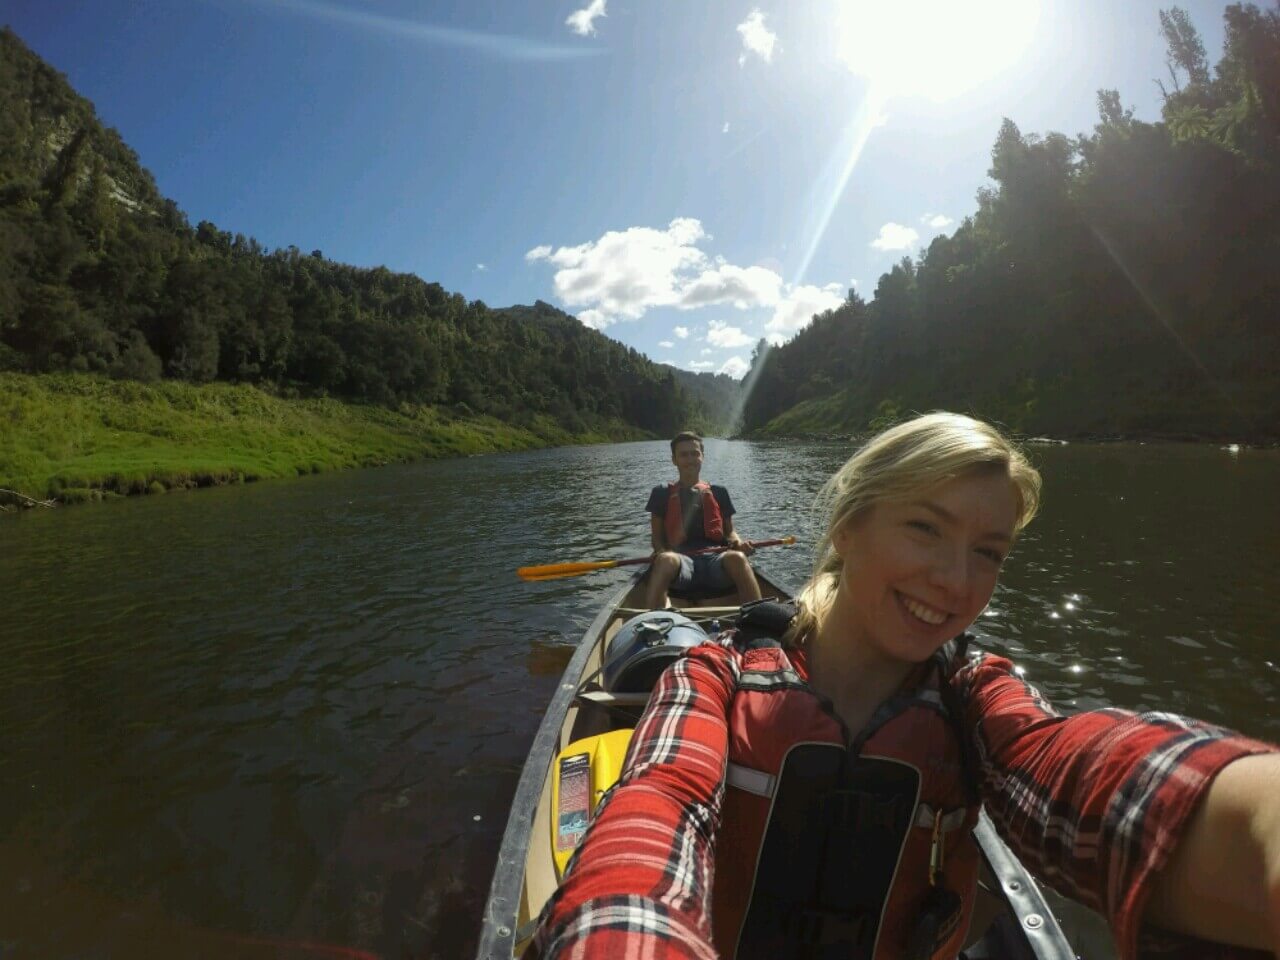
point(1119, 281)
point(100, 273)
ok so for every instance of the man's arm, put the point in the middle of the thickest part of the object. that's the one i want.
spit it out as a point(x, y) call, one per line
point(731, 536)
point(734, 541)
point(657, 533)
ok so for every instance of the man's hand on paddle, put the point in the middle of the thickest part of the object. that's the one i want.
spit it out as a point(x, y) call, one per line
point(742, 546)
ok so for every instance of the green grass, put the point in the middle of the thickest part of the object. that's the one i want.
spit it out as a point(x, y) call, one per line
point(74, 438)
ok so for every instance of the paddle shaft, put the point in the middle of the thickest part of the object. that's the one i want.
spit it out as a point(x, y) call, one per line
point(558, 571)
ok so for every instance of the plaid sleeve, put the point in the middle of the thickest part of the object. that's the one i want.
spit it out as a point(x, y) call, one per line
point(1094, 804)
point(639, 884)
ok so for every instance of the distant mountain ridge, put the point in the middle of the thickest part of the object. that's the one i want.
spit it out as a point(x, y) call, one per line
point(100, 273)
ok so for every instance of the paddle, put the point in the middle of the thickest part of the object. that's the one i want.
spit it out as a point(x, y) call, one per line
point(558, 571)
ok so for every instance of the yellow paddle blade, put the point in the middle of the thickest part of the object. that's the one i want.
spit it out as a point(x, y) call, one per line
point(557, 571)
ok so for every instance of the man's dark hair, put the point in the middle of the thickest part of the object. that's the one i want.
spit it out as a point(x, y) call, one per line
point(682, 437)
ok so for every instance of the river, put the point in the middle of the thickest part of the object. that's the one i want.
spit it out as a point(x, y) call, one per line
point(287, 719)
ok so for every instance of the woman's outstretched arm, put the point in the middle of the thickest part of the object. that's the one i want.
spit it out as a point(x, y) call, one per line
point(1223, 879)
point(1097, 805)
point(640, 882)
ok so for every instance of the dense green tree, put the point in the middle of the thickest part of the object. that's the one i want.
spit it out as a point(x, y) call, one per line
point(1185, 48)
point(99, 272)
point(1122, 280)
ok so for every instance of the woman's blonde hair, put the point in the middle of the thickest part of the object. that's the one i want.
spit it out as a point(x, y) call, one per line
point(900, 464)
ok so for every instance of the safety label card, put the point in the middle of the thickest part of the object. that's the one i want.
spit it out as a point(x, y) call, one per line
point(575, 801)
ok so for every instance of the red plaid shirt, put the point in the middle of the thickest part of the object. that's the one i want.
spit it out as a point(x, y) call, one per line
point(1093, 804)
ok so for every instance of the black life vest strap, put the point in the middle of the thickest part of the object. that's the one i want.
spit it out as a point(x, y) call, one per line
point(952, 652)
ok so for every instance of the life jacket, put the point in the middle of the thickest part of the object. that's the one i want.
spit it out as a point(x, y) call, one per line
point(836, 846)
point(712, 522)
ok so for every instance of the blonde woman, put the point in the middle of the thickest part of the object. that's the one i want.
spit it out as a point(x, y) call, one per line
point(811, 791)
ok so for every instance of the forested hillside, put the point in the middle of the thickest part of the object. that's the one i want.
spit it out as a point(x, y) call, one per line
point(719, 395)
point(1123, 281)
point(100, 273)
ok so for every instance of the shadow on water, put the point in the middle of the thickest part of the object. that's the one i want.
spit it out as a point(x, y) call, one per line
point(287, 719)
point(548, 659)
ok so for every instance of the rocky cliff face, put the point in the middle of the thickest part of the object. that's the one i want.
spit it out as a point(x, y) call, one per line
point(52, 138)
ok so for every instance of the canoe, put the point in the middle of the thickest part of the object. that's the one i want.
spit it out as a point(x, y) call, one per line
point(1012, 920)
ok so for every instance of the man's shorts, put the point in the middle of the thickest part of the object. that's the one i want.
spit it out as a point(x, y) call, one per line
point(702, 574)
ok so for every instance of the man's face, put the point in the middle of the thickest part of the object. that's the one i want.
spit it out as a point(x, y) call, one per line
point(688, 458)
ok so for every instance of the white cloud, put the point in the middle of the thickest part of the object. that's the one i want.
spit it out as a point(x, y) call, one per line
point(744, 287)
point(503, 46)
point(481, 267)
point(735, 367)
point(594, 319)
point(705, 350)
point(700, 364)
point(626, 273)
point(725, 128)
point(799, 306)
point(666, 344)
point(777, 339)
point(756, 38)
point(722, 335)
point(894, 236)
point(936, 220)
point(582, 22)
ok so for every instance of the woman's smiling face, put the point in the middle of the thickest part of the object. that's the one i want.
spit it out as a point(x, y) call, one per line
point(918, 572)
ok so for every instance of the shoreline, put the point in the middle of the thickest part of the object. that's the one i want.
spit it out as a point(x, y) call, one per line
point(79, 438)
point(1236, 442)
point(76, 438)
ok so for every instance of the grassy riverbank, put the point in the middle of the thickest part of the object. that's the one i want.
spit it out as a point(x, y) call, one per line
point(1109, 403)
point(72, 438)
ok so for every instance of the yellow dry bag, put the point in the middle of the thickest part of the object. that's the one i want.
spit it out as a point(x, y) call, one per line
point(582, 773)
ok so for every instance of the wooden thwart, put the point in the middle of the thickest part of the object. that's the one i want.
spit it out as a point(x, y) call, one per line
point(687, 611)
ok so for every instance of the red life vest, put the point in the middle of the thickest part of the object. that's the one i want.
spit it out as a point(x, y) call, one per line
point(712, 522)
point(824, 847)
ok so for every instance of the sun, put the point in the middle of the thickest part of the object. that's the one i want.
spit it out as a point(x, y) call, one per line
point(938, 49)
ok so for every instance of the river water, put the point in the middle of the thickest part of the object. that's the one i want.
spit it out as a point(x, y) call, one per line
point(286, 720)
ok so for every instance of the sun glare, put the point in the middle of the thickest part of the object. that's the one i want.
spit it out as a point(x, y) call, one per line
point(937, 49)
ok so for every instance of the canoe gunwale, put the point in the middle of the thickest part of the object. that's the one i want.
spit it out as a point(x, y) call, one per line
point(1027, 906)
point(502, 906)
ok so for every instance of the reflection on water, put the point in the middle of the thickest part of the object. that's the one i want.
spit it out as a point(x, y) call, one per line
point(548, 658)
point(296, 712)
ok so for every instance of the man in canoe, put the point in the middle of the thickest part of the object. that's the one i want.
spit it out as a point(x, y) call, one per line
point(691, 515)
point(811, 792)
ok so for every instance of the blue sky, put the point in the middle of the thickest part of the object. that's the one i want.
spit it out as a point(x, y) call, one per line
point(686, 175)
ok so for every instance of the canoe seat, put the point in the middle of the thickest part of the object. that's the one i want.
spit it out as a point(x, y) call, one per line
point(699, 598)
point(607, 699)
